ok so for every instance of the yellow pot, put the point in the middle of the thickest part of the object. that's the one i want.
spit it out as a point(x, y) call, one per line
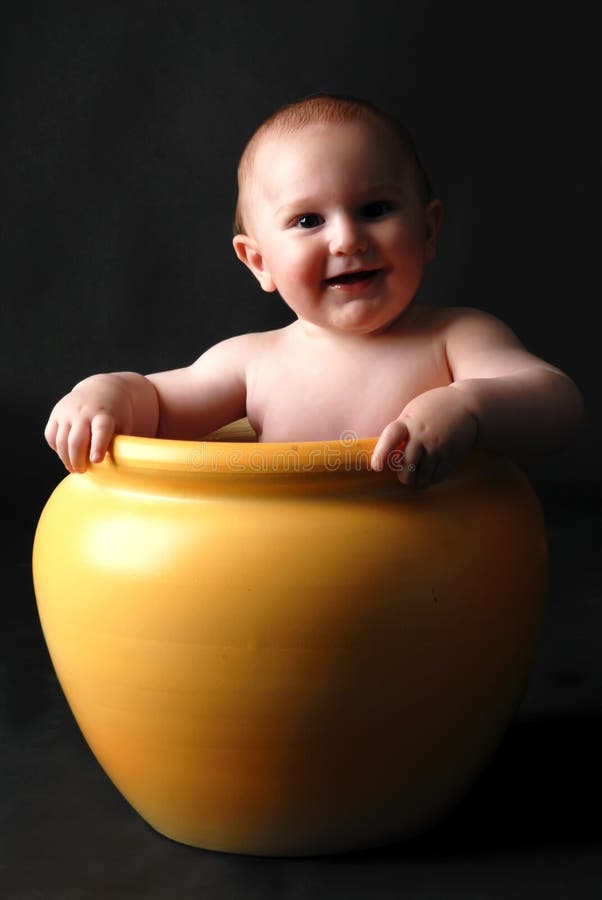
point(273, 650)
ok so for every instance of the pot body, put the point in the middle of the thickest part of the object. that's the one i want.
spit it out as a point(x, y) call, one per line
point(281, 657)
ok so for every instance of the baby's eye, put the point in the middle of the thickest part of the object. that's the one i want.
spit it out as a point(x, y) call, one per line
point(376, 209)
point(310, 220)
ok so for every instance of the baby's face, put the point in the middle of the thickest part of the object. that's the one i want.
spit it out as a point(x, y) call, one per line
point(336, 225)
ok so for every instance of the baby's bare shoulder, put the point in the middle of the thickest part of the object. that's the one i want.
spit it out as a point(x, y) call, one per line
point(463, 326)
point(266, 344)
point(245, 345)
point(479, 345)
point(442, 319)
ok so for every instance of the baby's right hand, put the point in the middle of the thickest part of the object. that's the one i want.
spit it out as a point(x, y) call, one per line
point(82, 424)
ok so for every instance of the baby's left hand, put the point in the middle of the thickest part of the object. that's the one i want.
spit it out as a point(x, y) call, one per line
point(438, 430)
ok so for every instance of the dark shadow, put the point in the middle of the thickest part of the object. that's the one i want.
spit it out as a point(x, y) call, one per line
point(542, 789)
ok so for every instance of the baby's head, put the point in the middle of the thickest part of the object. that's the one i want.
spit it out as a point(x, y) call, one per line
point(325, 109)
point(336, 213)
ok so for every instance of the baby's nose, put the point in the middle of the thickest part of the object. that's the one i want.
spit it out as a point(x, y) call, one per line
point(347, 237)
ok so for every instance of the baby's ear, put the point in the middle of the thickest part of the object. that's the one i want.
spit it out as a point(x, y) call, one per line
point(249, 253)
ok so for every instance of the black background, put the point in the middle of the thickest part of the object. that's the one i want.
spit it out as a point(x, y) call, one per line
point(122, 124)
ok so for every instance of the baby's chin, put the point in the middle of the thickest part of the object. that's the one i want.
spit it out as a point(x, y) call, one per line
point(360, 317)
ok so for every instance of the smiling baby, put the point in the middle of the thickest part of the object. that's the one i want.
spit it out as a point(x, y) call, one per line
point(337, 215)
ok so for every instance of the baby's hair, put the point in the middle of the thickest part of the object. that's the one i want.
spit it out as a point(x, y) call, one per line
point(334, 108)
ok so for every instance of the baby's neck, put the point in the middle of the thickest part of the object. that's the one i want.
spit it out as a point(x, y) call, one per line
point(318, 333)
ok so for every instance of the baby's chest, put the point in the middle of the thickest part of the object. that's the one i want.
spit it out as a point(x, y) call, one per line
point(320, 397)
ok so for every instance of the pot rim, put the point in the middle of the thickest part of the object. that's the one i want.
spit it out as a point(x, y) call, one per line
point(239, 457)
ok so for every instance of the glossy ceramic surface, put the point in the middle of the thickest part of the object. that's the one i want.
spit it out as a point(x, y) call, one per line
point(272, 650)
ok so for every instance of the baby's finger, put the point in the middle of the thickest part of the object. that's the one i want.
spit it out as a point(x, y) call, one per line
point(391, 437)
point(61, 444)
point(411, 461)
point(103, 429)
point(426, 471)
point(79, 441)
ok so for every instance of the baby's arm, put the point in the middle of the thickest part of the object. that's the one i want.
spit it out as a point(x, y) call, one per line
point(501, 397)
point(183, 403)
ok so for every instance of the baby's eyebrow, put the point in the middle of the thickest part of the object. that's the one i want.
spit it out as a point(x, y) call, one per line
point(387, 186)
point(308, 204)
point(296, 205)
point(382, 191)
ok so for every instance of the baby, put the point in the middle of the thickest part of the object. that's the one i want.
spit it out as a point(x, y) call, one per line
point(336, 213)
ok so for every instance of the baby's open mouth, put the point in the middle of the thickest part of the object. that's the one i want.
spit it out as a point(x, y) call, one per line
point(352, 277)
